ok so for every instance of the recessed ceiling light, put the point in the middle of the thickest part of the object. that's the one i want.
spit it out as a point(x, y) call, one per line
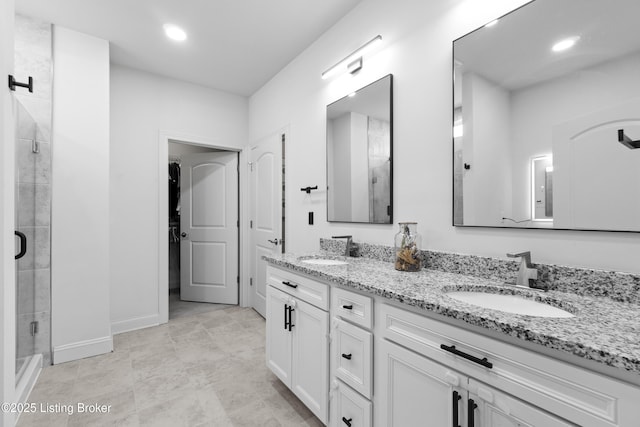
point(174, 32)
point(492, 23)
point(565, 44)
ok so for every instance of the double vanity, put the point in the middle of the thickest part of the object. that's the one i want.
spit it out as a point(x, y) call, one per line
point(362, 344)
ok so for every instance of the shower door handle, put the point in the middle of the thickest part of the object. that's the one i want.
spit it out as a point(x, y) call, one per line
point(23, 244)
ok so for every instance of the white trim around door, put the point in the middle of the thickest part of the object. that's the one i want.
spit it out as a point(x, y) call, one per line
point(163, 221)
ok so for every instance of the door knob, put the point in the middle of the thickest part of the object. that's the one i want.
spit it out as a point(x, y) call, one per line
point(274, 241)
point(183, 234)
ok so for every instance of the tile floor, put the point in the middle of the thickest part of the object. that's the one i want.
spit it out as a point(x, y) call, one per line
point(178, 308)
point(202, 369)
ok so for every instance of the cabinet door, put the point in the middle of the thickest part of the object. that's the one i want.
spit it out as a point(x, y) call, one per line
point(310, 357)
point(278, 345)
point(497, 409)
point(412, 390)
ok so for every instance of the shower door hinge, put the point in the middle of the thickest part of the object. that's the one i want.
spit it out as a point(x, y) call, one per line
point(250, 281)
point(34, 328)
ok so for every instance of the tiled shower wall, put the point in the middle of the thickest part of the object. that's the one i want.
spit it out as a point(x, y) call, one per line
point(33, 57)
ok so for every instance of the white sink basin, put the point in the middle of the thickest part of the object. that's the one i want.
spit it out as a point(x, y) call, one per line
point(509, 303)
point(324, 261)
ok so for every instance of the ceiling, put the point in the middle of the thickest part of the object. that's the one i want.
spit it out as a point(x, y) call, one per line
point(235, 46)
point(516, 53)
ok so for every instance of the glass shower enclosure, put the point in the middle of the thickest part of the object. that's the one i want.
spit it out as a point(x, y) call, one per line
point(32, 220)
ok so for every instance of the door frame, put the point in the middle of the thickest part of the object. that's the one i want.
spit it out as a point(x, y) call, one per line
point(162, 243)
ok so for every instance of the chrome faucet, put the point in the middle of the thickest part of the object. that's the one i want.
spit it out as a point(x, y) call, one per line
point(350, 247)
point(527, 272)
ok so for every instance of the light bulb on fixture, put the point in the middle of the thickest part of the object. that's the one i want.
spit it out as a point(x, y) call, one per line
point(565, 44)
point(174, 32)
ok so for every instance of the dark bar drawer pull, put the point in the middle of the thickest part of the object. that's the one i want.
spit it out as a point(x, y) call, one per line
point(286, 318)
point(348, 307)
point(452, 349)
point(471, 417)
point(291, 325)
point(289, 284)
point(347, 356)
point(347, 421)
point(456, 398)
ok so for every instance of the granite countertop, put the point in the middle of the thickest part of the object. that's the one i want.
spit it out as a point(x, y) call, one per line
point(602, 330)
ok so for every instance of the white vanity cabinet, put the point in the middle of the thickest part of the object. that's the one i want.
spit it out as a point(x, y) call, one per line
point(297, 344)
point(417, 388)
point(423, 365)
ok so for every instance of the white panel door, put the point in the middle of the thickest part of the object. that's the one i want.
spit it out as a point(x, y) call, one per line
point(209, 228)
point(596, 179)
point(266, 213)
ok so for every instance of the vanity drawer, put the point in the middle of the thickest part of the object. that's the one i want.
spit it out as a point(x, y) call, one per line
point(353, 353)
point(353, 307)
point(308, 290)
point(349, 408)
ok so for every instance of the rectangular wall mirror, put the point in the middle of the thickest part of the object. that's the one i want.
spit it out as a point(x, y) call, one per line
point(547, 118)
point(359, 155)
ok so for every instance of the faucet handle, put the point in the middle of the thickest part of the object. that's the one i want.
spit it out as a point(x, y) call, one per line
point(521, 254)
point(526, 256)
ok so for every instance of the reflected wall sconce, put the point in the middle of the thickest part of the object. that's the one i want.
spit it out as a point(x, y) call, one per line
point(352, 62)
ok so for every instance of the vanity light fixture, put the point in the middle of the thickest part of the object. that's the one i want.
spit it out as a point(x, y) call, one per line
point(353, 61)
point(565, 44)
point(174, 32)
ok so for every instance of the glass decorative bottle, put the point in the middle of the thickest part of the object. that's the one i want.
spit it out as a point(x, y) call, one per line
point(407, 247)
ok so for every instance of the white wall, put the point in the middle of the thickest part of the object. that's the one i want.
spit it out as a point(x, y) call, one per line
point(7, 242)
point(80, 197)
point(339, 130)
point(142, 105)
point(418, 51)
point(487, 148)
point(359, 167)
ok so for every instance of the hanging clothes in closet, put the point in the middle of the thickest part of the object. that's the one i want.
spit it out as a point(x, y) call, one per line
point(174, 191)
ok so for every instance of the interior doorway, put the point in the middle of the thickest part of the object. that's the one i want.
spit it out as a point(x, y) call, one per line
point(199, 226)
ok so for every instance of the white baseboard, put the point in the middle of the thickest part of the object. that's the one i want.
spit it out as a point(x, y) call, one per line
point(134, 324)
point(82, 349)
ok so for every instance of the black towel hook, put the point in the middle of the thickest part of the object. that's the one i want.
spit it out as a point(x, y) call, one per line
point(626, 141)
point(13, 83)
point(308, 189)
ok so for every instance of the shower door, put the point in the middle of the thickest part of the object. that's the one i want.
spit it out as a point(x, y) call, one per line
point(30, 206)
